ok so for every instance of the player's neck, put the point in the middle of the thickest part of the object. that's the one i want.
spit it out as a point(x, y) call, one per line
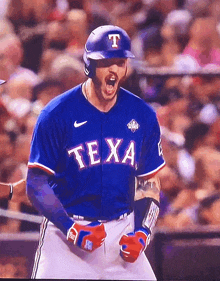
point(95, 98)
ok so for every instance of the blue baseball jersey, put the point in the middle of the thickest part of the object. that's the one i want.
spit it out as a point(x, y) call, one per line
point(93, 157)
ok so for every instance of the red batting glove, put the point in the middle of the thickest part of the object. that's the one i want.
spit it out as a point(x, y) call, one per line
point(88, 237)
point(133, 244)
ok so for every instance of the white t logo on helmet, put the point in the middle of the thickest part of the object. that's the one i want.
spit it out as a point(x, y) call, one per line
point(114, 38)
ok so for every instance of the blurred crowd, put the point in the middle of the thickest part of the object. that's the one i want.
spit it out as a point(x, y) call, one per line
point(41, 48)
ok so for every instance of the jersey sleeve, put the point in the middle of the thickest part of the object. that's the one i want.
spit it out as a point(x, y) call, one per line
point(151, 158)
point(46, 144)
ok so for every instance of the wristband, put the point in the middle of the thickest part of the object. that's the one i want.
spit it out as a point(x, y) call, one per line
point(146, 211)
point(11, 191)
point(151, 215)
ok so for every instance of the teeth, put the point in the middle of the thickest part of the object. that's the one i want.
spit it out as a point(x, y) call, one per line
point(111, 80)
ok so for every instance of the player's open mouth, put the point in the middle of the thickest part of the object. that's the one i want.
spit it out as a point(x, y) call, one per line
point(111, 84)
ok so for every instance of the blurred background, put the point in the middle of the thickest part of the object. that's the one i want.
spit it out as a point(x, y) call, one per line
point(41, 48)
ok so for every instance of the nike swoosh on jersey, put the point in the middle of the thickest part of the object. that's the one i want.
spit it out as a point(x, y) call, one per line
point(76, 125)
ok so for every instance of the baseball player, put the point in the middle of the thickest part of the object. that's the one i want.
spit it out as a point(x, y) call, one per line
point(7, 189)
point(94, 157)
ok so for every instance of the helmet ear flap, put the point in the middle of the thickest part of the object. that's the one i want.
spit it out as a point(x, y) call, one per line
point(89, 68)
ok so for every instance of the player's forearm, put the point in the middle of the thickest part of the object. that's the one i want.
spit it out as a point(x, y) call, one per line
point(146, 210)
point(148, 188)
point(45, 201)
point(146, 206)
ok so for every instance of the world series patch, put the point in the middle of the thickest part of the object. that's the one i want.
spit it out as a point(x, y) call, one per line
point(133, 125)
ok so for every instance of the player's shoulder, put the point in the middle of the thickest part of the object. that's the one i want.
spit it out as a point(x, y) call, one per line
point(60, 105)
point(135, 103)
point(64, 99)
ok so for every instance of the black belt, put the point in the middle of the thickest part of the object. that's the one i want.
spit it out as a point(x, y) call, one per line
point(78, 217)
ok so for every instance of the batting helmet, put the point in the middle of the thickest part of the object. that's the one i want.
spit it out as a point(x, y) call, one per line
point(2, 82)
point(106, 42)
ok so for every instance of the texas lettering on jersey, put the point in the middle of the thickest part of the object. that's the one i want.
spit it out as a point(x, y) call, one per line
point(92, 150)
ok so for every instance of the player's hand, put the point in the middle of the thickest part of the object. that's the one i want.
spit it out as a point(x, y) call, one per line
point(88, 237)
point(133, 244)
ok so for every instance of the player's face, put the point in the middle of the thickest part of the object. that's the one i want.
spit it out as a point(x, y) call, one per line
point(109, 75)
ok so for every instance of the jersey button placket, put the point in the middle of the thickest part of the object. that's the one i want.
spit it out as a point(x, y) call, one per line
point(102, 156)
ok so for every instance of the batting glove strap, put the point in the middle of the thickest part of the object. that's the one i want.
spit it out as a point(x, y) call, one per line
point(72, 234)
point(145, 234)
point(88, 237)
point(133, 244)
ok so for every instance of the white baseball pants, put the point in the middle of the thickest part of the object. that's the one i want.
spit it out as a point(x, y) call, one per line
point(58, 258)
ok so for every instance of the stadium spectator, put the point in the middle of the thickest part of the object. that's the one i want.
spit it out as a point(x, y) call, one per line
point(6, 27)
point(175, 29)
point(4, 117)
point(201, 43)
point(45, 92)
point(19, 88)
point(103, 11)
point(157, 12)
point(6, 147)
point(214, 135)
point(68, 70)
point(56, 36)
point(17, 193)
point(77, 26)
point(208, 210)
point(47, 58)
point(12, 50)
point(20, 157)
point(29, 19)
